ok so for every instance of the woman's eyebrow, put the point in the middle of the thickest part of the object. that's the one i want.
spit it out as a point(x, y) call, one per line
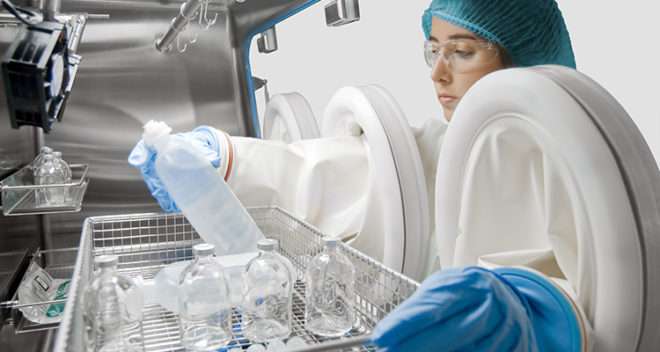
point(462, 36)
point(455, 37)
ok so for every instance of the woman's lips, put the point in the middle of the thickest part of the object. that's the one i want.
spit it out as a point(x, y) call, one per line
point(447, 99)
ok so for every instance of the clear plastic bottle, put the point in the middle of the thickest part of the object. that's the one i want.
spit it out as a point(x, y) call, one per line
point(204, 305)
point(50, 172)
point(67, 173)
point(266, 308)
point(202, 194)
point(64, 165)
point(330, 292)
point(39, 159)
point(112, 310)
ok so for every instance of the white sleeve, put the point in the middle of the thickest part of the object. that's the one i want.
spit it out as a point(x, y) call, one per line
point(516, 210)
point(323, 181)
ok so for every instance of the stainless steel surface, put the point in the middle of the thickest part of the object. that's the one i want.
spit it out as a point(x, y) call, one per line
point(123, 82)
point(33, 342)
point(187, 13)
point(267, 41)
point(341, 12)
point(16, 150)
point(12, 265)
point(145, 243)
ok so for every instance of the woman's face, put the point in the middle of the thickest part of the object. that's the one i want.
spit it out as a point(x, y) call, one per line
point(453, 80)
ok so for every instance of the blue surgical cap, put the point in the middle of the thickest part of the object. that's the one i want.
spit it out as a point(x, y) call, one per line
point(533, 32)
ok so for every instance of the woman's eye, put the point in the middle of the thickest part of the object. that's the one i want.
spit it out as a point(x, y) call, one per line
point(464, 54)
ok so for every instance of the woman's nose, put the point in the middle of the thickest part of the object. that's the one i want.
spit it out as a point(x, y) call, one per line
point(440, 72)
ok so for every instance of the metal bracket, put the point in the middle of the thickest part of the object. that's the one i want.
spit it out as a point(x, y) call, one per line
point(267, 41)
point(341, 12)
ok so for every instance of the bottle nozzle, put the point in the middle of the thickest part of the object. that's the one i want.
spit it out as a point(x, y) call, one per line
point(154, 131)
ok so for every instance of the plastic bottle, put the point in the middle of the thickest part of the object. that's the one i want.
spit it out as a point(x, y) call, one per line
point(67, 173)
point(39, 159)
point(202, 194)
point(296, 342)
point(64, 165)
point(276, 346)
point(256, 348)
point(50, 172)
point(266, 308)
point(330, 293)
point(204, 306)
point(112, 310)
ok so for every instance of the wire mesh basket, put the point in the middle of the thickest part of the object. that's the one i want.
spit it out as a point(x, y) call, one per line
point(145, 243)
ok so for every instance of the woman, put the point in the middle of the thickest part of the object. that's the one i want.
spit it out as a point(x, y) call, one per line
point(466, 40)
point(460, 309)
point(474, 309)
point(476, 37)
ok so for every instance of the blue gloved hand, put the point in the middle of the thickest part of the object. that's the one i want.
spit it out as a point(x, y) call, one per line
point(143, 157)
point(475, 309)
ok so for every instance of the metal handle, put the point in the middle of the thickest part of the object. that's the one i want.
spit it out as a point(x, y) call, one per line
point(335, 346)
point(179, 23)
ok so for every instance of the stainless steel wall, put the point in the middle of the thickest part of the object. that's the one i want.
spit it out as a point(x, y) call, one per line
point(122, 83)
point(16, 149)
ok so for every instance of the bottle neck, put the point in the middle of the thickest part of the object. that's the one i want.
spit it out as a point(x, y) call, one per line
point(108, 272)
point(267, 252)
point(203, 258)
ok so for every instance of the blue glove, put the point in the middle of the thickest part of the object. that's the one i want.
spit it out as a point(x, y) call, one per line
point(143, 157)
point(474, 309)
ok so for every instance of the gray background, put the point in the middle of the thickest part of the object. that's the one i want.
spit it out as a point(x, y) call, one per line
point(615, 43)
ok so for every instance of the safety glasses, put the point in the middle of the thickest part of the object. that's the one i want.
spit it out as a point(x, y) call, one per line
point(460, 55)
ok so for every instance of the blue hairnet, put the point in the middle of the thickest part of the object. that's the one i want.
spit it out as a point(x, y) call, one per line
point(533, 32)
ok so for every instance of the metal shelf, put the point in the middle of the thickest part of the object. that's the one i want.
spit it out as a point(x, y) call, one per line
point(21, 196)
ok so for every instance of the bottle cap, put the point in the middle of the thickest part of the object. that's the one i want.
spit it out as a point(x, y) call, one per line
point(46, 150)
point(267, 244)
point(57, 154)
point(106, 261)
point(329, 242)
point(203, 249)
